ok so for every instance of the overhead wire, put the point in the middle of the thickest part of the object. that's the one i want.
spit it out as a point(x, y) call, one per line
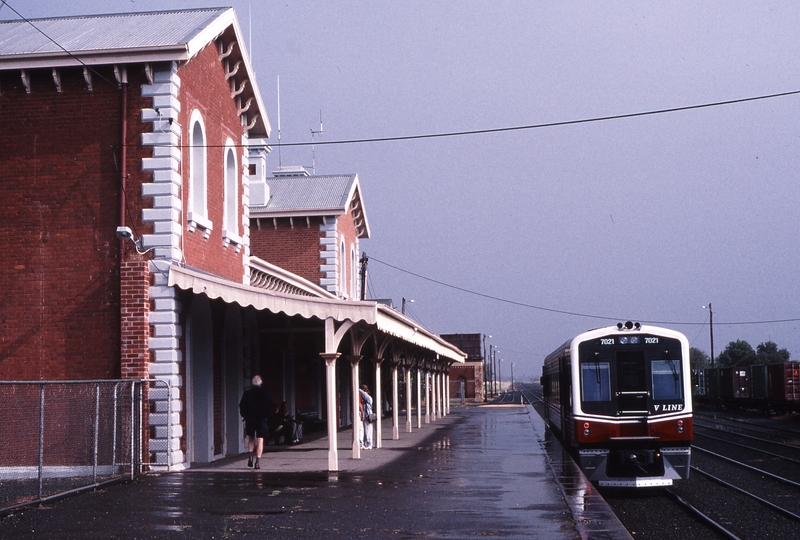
point(56, 43)
point(560, 123)
point(562, 311)
point(463, 132)
point(551, 124)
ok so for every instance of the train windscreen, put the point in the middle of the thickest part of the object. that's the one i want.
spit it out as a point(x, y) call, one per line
point(667, 383)
point(596, 381)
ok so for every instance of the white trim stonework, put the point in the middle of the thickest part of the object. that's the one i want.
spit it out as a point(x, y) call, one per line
point(244, 159)
point(329, 251)
point(166, 216)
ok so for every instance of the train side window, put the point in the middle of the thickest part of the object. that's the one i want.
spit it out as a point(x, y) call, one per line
point(596, 381)
point(666, 379)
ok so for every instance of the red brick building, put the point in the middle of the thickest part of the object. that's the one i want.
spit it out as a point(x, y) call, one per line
point(132, 146)
point(467, 378)
point(311, 226)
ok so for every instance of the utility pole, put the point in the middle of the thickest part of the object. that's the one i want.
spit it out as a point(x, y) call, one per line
point(711, 330)
point(364, 260)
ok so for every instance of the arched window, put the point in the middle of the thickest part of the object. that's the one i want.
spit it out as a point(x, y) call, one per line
point(198, 185)
point(230, 212)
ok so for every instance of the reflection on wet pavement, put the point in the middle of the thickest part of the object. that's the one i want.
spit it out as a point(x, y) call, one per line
point(489, 472)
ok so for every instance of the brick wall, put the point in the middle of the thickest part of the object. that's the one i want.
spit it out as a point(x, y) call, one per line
point(134, 309)
point(59, 255)
point(295, 249)
point(346, 231)
point(204, 88)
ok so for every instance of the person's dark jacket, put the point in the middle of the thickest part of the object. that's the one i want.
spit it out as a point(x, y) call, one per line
point(256, 404)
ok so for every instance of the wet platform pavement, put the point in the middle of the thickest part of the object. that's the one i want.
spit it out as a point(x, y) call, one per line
point(482, 471)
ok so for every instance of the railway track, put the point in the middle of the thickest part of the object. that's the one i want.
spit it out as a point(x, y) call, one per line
point(764, 428)
point(745, 483)
point(745, 476)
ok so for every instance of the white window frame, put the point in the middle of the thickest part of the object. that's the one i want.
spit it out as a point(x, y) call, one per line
point(230, 198)
point(197, 214)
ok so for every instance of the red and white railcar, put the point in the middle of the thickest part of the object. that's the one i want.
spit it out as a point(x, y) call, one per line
point(620, 398)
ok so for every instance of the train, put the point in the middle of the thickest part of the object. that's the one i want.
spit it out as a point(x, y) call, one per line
point(771, 388)
point(620, 399)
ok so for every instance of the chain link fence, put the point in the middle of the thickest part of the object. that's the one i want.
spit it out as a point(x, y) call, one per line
point(62, 437)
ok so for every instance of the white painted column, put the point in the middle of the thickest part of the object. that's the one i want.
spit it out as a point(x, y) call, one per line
point(330, 379)
point(447, 393)
point(444, 395)
point(419, 395)
point(377, 405)
point(395, 403)
point(427, 396)
point(407, 374)
point(357, 426)
point(435, 397)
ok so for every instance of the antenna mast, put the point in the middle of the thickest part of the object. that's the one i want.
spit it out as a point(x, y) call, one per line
point(250, 32)
point(279, 123)
point(313, 133)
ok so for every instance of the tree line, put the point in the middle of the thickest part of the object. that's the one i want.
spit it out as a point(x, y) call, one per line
point(741, 353)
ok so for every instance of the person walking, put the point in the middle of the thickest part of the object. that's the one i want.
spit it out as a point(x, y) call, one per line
point(255, 406)
point(367, 416)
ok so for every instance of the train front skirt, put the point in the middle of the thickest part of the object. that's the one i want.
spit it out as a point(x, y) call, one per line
point(635, 467)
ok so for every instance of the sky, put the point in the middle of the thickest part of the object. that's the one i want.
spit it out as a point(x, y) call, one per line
point(532, 236)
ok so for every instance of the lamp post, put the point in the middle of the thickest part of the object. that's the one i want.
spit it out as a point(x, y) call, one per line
point(500, 375)
point(485, 368)
point(494, 371)
point(512, 378)
point(403, 307)
point(491, 370)
point(711, 330)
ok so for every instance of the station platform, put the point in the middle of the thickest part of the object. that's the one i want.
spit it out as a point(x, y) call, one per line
point(483, 470)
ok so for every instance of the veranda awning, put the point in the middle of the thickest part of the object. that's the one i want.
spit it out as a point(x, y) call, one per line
point(384, 318)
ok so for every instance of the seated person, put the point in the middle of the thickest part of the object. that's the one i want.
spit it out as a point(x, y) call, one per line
point(284, 426)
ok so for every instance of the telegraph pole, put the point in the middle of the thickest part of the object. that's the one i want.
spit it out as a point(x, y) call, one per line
point(364, 260)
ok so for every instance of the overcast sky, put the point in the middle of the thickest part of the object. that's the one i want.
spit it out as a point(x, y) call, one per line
point(645, 219)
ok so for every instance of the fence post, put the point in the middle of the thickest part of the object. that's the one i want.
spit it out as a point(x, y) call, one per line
point(169, 425)
point(133, 428)
point(114, 433)
point(41, 439)
point(140, 427)
point(96, 428)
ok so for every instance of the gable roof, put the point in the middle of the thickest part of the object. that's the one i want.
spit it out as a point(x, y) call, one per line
point(324, 195)
point(127, 38)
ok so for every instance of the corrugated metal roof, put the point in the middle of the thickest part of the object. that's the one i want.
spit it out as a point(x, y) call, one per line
point(129, 38)
point(305, 196)
point(104, 32)
point(330, 192)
